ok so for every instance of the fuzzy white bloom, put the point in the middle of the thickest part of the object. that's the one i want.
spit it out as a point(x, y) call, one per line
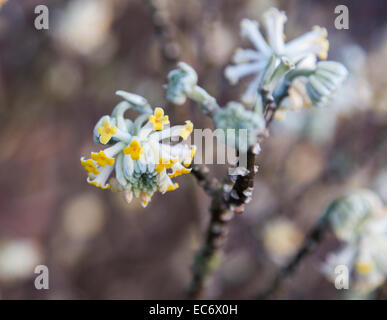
point(18, 259)
point(281, 239)
point(349, 213)
point(361, 222)
point(143, 164)
point(84, 25)
point(309, 46)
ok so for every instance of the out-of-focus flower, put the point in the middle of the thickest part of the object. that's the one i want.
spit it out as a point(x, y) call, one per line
point(219, 43)
point(249, 61)
point(233, 119)
point(281, 239)
point(83, 227)
point(84, 25)
point(356, 93)
point(18, 259)
point(142, 163)
point(380, 184)
point(347, 214)
point(2, 2)
point(361, 222)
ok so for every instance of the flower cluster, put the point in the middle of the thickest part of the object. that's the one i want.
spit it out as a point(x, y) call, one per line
point(240, 126)
point(301, 52)
point(235, 116)
point(142, 162)
point(360, 221)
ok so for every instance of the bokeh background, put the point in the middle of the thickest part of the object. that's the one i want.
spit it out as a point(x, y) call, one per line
point(56, 83)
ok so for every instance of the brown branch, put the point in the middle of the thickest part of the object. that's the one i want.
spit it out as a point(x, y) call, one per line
point(226, 200)
point(311, 240)
point(243, 187)
point(165, 32)
point(200, 172)
point(208, 258)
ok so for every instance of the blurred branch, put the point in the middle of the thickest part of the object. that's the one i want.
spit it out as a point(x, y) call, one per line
point(200, 172)
point(165, 32)
point(313, 238)
point(225, 201)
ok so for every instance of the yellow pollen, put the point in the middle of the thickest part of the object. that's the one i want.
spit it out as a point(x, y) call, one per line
point(188, 162)
point(106, 131)
point(98, 185)
point(364, 268)
point(323, 54)
point(184, 133)
point(89, 166)
point(165, 164)
point(134, 150)
point(101, 159)
point(173, 187)
point(158, 119)
point(179, 172)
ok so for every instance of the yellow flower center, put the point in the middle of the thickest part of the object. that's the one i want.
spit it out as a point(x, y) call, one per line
point(188, 162)
point(364, 268)
point(187, 130)
point(101, 159)
point(179, 172)
point(323, 54)
point(165, 164)
point(106, 131)
point(173, 187)
point(134, 150)
point(158, 119)
point(98, 185)
point(89, 166)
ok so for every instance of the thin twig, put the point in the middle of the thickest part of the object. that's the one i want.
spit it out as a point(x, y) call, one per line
point(200, 172)
point(165, 32)
point(313, 237)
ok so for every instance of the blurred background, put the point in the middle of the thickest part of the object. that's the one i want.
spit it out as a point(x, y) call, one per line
point(55, 84)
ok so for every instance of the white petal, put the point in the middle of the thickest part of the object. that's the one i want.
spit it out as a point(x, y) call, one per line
point(250, 30)
point(274, 21)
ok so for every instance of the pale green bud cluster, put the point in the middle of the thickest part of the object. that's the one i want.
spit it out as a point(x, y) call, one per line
point(236, 116)
point(325, 81)
point(347, 214)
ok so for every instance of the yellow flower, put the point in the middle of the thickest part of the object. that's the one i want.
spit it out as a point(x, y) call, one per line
point(280, 115)
point(134, 150)
point(165, 164)
point(184, 133)
point(323, 54)
point(102, 159)
point(106, 131)
point(99, 185)
point(89, 166)
point(364, 268)
point(188, 162)
point(145, 198)
point(173, 187)
point(158, 119)
point(179, 172)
